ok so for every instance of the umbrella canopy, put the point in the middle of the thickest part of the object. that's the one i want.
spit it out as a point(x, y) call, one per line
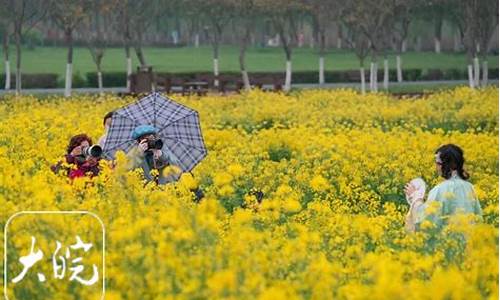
point(178, 126)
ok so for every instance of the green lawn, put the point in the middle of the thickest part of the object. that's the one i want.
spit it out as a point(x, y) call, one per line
point(52, 60)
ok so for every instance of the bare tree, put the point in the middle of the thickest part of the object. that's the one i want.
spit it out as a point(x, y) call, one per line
point(6, 28)
point(215, 15)
point(283, 15)
point(404, 11)
point(386, 45)
point(357, 40)
point(323, 14)
point(133, 20)
point(486, 22)
point(371, 18)
point(218, 13)
point(93, 28)
point(122, 22)
point(245, 12)
point(67, 15)
point(142, 14)
point(22, 15)
point(478, 20)
point(438, 12)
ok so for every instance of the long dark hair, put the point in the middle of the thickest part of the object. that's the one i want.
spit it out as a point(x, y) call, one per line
point(76, 141)
point(452, 159)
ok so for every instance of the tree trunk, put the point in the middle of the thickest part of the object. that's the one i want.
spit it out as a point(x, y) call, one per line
point(399, 69)
point(477, 71)
point(418, 46)
point(363, 85)
point(129, 66)
point(456, 42)
point(288, 54)
point(403, 46)
point(6, 60)
point(288, 76)
point(140, 55)
point(386, 74)
point(485, 73)
point(99, 81)
point(471, 76)
point(371, 76)
point(99, 76)
point(437, 45)
point(7, 75)
point(69, 63)
point(18, 62)
point(197, 40)
point(216, 72)
point(322, 44)
point(177, 25)
point(339, 36)
point(244, 73)
point(438, 25)
point(216, 62)
point(321, 70)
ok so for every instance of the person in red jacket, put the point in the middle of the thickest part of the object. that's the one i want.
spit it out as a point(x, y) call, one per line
point(81, 165)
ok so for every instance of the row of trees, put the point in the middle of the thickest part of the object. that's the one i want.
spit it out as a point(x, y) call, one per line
point(370, 28)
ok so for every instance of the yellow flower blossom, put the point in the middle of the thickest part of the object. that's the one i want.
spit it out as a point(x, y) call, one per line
point(319, 183)
point(303, 198)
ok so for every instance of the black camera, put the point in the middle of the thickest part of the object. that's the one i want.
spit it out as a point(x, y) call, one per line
point(92, 151)
point(155, 144)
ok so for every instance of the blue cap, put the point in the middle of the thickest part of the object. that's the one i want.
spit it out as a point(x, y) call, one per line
point(143, 130)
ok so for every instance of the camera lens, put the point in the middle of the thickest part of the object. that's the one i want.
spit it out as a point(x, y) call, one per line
point(156, 144)
point(93, 151)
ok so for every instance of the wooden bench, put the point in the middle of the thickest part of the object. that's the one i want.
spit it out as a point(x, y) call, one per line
point(195, 87)
point(276, 82)
point(408, 95)
point(172, 85)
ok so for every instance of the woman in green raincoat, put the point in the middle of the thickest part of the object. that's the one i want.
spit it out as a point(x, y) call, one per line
point(455, 195)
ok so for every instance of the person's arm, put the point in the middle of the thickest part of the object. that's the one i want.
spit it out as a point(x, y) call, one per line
point(70, 159)
point(430, 210)
point(137, 154)
point(134, 158)
point(415, 200)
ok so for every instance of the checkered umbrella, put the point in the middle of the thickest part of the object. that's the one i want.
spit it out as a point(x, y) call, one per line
point(178, 126)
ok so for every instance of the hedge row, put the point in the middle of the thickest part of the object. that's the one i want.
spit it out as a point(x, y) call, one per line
point(118, 79)
point(30, 81)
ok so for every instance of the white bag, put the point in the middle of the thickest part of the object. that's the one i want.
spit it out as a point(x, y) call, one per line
point(415, 199)
point(419, 193)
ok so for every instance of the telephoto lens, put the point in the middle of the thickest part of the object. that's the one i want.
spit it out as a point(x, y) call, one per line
point(92, 151)
point(156, 144)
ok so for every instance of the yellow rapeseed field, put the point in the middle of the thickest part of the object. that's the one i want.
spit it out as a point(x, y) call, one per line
point(331, 166)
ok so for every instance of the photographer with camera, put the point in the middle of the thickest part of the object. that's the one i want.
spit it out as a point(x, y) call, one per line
point(82, 156)
point(148, 155)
